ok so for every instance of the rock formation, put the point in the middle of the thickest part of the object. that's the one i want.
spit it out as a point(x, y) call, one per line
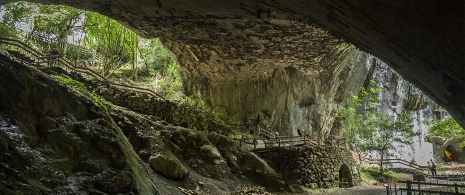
point(62, 144)
point(422, 40)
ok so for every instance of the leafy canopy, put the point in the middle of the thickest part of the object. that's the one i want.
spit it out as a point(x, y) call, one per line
point(98, 42)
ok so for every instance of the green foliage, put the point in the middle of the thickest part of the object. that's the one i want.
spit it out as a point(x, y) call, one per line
point(109, 38)
point(71, 82)
point(354, 116)
point(373, 174)
point(373, 131)
point(82, 90)
point(14, 18)
point(448, 128)
point(52, 24)
point(106, 43)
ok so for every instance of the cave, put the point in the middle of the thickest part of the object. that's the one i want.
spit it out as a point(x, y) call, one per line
point(259, 45)
point(345, 176)
point(220, 43)
point(451, 154)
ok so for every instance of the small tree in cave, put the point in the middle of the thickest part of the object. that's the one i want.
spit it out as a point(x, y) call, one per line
point(371, 131)
point(382, 132)
point(352, 116)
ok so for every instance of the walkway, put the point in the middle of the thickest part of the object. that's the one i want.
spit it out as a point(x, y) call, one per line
point(27, 55)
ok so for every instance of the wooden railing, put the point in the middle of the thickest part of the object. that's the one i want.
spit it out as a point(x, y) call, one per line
point(52, 59)
point(413, 187)
point(398, 161)
point(21, 45)
point(260, 134)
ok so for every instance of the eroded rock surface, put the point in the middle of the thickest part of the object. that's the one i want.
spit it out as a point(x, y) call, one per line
point(63, 144)
point(421, 40)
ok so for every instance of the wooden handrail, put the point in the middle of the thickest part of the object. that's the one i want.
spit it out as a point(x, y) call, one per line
point(27, 48)
point(399, 161)
point(71, 66)
point(431, 184)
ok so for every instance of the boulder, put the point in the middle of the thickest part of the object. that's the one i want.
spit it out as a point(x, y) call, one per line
point(168, 165)
point(254, 164)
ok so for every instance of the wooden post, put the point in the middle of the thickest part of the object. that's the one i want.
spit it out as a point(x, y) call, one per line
point(387, 190)
point(279, 142)
point(395, 188)
point(419, 186)
point(456, 188)
point(409, 188)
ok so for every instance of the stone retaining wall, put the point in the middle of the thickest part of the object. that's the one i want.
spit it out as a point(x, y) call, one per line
point(315, 167)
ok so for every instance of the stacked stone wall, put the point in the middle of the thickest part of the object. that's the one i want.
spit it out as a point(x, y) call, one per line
point(316, 167)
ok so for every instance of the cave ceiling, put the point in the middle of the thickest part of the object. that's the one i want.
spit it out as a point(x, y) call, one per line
point(423, 40)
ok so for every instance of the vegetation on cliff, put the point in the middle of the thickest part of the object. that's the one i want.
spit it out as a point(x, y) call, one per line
point(95, 41)
point(82, 90)
point(447, 128)
point(371, 131)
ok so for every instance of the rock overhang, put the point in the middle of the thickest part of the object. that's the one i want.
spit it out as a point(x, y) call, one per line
point(422, 40)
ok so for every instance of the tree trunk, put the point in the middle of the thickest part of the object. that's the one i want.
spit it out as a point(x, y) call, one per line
point(381, 163)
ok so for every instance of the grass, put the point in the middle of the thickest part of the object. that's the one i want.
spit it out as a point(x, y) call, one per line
point(373, 176)
point(81, 89)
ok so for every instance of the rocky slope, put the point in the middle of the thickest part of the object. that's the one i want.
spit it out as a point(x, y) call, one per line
point(56, 139)
point(59, 137)
point(61, 143)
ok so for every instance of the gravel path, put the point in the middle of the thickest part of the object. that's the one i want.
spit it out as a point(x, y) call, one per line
point(359, 191)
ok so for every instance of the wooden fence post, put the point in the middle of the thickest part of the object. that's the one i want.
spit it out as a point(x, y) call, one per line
point(419, 186)
point(456, 188)
point(409, 188)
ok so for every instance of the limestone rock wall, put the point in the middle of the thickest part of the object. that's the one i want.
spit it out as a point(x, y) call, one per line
point(421, 40)
point(285, 99)
point(397, 96)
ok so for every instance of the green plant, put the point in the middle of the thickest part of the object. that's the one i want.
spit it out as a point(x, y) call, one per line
point(448, 128)
point(81, 89)
point(369, 130)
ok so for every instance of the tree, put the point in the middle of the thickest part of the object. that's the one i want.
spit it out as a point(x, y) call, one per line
point(373, 131)
point(108, 37)
point(53, 24)
point(354, 114)
point(45, 26)
point(14, 18)
point(384, 132)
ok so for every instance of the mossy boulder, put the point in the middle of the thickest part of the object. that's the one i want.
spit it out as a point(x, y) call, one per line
point(254, 165)
point(168, 165)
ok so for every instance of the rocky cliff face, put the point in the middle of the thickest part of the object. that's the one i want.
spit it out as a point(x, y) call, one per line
point(399, 95)
point(55, 139)
point(63, 143)
point(421, 40)
point(286, 99)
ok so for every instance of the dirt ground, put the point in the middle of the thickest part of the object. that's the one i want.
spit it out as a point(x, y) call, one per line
point(451, 168)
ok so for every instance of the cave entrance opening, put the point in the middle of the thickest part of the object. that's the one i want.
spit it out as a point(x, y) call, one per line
point(450, 154)
point(345, 177)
